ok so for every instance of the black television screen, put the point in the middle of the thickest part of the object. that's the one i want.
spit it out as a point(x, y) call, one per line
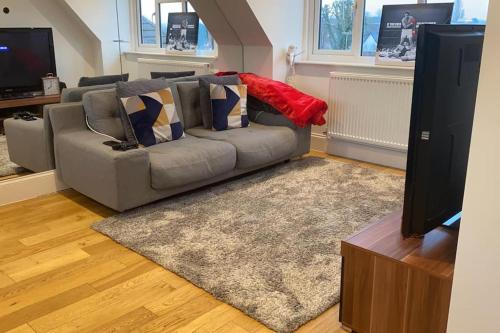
point(26, 55)
point(444, 97)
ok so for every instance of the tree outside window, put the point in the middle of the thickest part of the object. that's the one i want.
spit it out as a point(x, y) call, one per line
point(336, 20)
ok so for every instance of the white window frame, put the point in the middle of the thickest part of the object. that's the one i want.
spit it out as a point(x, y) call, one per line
point(356, 32)
point(135, 9)
point(311, 38)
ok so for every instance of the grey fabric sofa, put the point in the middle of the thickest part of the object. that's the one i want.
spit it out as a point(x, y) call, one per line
point(124, 180)
point(30, 143)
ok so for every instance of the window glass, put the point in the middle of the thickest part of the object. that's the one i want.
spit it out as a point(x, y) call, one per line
point(148, 22)
point(205, 40)
point(468, 11)
point(165, 9)
point(371, 23)
point(464, 12)
point(335, 24)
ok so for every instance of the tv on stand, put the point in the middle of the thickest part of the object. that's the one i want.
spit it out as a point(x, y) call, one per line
point(26, 55)
point(444, 97)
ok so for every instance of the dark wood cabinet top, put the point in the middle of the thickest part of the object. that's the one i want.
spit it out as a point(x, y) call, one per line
point(39, 100)
point(434, 253)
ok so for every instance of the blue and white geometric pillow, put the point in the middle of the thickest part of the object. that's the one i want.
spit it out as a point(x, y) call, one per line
point(229, 106)
point(153, 117)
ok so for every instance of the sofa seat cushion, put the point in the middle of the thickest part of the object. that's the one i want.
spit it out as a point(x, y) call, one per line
point(189, 160)
point(256, 145)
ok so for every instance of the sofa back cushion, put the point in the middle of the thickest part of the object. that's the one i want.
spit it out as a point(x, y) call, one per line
point(139, 87)
point(70, 95)
point(103, 113)
point(189, 94)
point(100, 80)
point(171, 75)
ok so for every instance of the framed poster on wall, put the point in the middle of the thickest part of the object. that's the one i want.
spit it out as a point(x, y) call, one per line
point(397, 41)
point(182, 32)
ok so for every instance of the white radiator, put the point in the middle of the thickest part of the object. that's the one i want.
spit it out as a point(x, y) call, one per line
point(145, 66)
point(370, 109)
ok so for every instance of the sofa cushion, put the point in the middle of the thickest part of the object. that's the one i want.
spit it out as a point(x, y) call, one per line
point(229, 106)
point(256, 145)
point(103, 113)
point(171, 75)
point(189, 160)
point(138, 87)
point(153, 117)
point(100, 80)
point(189, 94)
point(205, 106)
point(70, 95)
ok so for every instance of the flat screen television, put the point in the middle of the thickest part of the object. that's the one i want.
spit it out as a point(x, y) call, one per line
point(444, 97)
point(26, 55)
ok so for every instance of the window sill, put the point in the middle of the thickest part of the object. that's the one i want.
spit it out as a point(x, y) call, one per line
point(172, 55)
point(358, 64)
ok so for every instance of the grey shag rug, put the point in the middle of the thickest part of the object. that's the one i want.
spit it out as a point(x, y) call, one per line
point(267, 243)
point(7, 168)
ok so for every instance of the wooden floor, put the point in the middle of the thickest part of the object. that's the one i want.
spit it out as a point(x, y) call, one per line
point(58, 275)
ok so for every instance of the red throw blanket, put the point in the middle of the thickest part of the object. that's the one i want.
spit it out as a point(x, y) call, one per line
point(300, 108)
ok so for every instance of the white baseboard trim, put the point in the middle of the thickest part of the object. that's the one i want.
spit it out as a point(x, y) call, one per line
point(319, 142)
point(367, 153)
point(29, 187)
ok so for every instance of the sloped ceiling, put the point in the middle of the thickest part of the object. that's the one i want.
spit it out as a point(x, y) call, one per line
point(216, 22)
point(231, 22)
point(244, 22)
point(74, 30)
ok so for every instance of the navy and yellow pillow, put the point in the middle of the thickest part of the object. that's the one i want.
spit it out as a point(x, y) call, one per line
point(229, 106)
point(153, 117)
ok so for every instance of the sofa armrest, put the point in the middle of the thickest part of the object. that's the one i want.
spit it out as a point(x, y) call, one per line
point(270, 119)
point(117, 179)
point(66, 116)
point(273, 119)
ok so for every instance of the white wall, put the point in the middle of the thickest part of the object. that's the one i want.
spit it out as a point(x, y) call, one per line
point(314, 79)
point(475, 303)
point(100, 17)
point(282, 21)
point(74, 46)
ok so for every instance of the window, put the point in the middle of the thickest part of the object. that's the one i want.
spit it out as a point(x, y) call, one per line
point(205, 40)
point(464, 12)
point(335, 24)
point(165, 9)
point(147, 13)
point(468, 11)
point(351, 27)
point(371, 23)
point(153, 18)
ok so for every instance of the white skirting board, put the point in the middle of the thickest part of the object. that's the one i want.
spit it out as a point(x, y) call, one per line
point(367, 153)
point(29, 187)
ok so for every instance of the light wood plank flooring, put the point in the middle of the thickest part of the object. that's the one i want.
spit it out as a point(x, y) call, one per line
point(58, 275)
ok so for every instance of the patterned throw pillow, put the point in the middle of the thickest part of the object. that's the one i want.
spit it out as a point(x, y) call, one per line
point(153, 117)
point(229, 106)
